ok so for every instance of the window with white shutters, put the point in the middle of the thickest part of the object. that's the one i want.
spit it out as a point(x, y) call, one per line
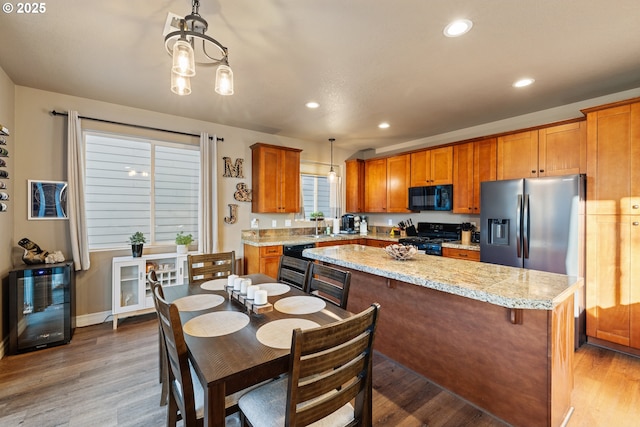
point(142, 185)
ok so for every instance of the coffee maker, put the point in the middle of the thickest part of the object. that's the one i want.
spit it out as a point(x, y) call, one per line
point(350, 224)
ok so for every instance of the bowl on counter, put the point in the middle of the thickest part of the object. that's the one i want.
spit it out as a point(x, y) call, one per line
point(401, 252)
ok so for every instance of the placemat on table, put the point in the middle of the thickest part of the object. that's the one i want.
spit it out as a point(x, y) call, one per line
point(216, 324)
point(277, 334)
point(274, 288)
point(299, 305)
point(198, 302)
point(214, 285)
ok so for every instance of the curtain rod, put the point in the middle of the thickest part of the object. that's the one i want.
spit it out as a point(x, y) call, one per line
point(56, 113)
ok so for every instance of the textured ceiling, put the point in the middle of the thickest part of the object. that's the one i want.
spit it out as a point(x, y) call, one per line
point(364, 61)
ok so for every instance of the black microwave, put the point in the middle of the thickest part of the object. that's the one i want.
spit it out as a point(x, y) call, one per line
point(431, 198)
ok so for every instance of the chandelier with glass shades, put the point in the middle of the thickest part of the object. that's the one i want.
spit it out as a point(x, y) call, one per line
point(190, 46)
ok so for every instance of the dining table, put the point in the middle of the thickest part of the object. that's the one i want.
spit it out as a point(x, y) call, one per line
point(232, 348)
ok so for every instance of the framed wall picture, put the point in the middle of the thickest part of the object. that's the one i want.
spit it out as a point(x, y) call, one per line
point(47, 199)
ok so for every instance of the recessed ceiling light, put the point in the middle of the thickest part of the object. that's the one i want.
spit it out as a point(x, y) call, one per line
point(523, 82)
point(458, 28)
point(312, 104)
point(383, 125)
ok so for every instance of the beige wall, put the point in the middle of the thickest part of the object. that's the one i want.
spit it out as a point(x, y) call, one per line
point(7, 90)
point(40, 153)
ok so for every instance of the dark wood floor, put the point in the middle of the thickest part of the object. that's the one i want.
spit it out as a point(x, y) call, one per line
point(110, 378)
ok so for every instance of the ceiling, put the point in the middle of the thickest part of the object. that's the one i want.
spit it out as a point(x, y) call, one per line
point(364, 61)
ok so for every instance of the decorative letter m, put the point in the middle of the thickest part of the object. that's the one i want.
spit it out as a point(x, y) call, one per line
point(232, 171)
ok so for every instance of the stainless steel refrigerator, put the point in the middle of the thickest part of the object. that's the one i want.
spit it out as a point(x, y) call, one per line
point(536, 223)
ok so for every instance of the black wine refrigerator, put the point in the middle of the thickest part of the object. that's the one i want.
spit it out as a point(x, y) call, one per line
point(41, 306)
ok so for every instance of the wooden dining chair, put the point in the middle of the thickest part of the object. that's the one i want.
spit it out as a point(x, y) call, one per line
point(163, 368)
point(186, 396)
point(205, 267)
point(293, 271)
point(330, 366)
point(329, 283)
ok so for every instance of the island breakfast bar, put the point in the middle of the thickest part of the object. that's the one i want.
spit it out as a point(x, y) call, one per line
point(500, 337)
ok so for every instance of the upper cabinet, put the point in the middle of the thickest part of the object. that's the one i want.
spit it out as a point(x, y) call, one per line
point(432, 167)
point(354, 185)
point(613, 149)
point(551, 151)
point(398, 177)
point(386, 189)
point(375, 189)
point(563, 149)
point(473, 162)
point(518, 155)
point(275, 179)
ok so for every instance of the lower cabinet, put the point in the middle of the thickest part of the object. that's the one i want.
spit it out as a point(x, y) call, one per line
point(613, 279)
point(461, 254)
point(377, 243)
point(340, 242)
point(262, 259)
point(131, 291)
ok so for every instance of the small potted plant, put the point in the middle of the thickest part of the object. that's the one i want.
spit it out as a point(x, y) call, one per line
point(182, 241)
point(137, 241)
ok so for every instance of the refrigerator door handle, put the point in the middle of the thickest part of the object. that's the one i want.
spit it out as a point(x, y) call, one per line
point(518, 224)
point(525, 227)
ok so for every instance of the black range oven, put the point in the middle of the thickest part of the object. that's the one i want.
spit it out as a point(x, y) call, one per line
point(431, 235)
point(296, 250)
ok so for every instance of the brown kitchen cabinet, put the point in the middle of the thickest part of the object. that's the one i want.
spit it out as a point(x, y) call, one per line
point(354, 186)
point(473, 163)
point(613, 279)
point(613, 225)
point(375, 194)
point(550, 151)
point(613, 168)
point(465, 254)
point(398, 177)
point(338, 242)
point(275, 179)
point(432, 167)
point(387, 184)
point(262, 259)
point(562, 149)
point(377, 243)
point(517, 155)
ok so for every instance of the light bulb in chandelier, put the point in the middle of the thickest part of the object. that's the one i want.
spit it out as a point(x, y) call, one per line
point(189, 45)
point(180, 85)
point(183, 59)
point(224, 80)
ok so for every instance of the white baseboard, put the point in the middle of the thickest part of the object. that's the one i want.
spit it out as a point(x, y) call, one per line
point(92, 319)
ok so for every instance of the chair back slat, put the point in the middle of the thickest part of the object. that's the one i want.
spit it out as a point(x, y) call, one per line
point(180, 381)
point(204, 267)
point(329, 283)
point(331, 365)
point(152, 278)
point(293, 271)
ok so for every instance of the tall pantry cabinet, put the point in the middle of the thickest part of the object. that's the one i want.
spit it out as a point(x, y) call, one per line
point(613, 223)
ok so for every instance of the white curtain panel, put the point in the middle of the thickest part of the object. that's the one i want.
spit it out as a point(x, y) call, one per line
point(208, 200)
point(75, 195)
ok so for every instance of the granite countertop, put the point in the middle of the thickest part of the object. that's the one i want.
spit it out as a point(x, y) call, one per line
point(458, 245)
point(495, 284)
point(303, 239)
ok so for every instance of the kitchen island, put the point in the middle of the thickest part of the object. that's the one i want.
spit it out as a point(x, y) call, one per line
point(499, 337)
